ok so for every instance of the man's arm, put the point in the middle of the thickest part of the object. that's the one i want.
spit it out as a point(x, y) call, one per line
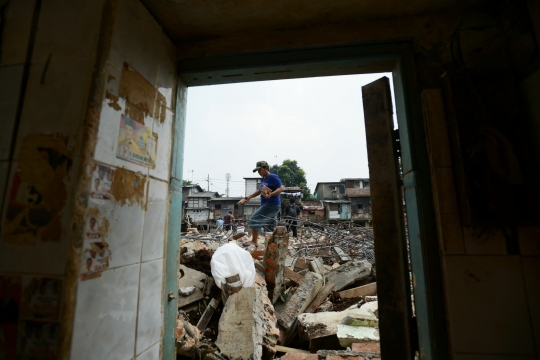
point(247, 198)
point(278, 191)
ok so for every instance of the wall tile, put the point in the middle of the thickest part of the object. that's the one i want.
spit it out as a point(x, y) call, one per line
point(164, 147)
point(155, 220)
point(56, 98)
point(16, 31)
point(125, 230)
point(487, 305)
point(150, 354)
point(531, 271)
point(484, 241)
point(10, 86)
point(135, 40)
point(75, 36)
point(167, 72)
point(529, 240)
point(150, 315)
point(105, 316)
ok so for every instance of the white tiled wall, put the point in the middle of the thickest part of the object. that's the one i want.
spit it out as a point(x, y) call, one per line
point(137, 232)
point(107, 315)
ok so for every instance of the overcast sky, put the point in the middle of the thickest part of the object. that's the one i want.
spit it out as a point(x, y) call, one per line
point(318, 122)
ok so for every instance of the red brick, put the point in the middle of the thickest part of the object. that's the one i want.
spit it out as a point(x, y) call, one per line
point(337, 357)
point(375, 358)
point(368, 346)
point(299, 356)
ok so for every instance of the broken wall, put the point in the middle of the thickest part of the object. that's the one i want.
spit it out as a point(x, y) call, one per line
point(474, 65)
point(121, 305)
point(83, 224)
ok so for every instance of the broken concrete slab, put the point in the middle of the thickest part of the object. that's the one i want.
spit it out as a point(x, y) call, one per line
point(274, 260)
point(317, 325)
point(365, 290)
point(370, 298)
point(245, 327)
point(348, 334)
point(317, 266)
point(362, 320)
point(302, 298)
point(342, 255)
point(188, 277)
point(371, 308)
point(348, 273)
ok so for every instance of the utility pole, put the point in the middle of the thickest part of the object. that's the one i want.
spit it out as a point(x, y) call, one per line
point(208, 181)
point(228, 178)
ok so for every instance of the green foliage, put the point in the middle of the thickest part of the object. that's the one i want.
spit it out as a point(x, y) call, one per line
point(187, 182)
point(292, 175)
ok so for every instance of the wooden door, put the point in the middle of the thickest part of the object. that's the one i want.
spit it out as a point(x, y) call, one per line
point(393, 285)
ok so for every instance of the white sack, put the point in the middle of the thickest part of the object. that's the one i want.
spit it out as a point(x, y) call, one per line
point(229, 260)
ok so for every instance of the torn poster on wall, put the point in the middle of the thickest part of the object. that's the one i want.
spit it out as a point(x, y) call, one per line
point(38, 340)
point(101, 182)
point(38, 192)
point(136, 143)
point(41, 299)
point(96, 252)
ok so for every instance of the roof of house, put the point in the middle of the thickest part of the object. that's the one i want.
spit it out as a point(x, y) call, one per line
point(312, 205)
point(357, 192)
point(337, 201)
point(327, 182)
point(293, 188)
point(344, 179)
point(206, 194)
point(227, 198)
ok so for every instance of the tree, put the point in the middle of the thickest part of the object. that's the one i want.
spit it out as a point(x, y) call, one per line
point(187, 182)
point(292, 175)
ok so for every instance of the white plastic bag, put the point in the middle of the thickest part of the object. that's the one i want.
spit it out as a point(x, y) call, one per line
point(229, 260)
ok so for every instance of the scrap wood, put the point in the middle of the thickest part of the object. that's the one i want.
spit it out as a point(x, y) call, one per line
point(286, 349)
point(323, 294)
point(208, 313)
point(287, 272)
point(366, 290)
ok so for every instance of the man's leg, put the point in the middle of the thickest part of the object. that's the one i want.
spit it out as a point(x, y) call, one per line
point(294, 230)
point(254, 237)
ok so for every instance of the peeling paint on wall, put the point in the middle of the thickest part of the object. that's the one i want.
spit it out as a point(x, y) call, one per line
point(128, 187)
point(38, 192)
point(113, 101)
point(142, 98)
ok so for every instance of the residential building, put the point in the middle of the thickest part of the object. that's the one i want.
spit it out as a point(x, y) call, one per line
point(198, 207)
point(346, 200)
point(222, 205)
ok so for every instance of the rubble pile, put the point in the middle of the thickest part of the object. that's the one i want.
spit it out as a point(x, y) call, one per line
point(313, 297)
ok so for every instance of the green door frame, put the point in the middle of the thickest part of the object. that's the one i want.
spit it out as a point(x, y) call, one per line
point(329, 61)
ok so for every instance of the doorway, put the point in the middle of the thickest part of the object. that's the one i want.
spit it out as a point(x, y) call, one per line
point(395, 58)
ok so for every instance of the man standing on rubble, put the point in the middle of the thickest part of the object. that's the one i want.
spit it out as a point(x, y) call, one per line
point(292, 212)
point(269, 190)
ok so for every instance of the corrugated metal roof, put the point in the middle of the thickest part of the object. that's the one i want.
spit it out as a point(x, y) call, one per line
point(207, 194)
point(357, 192)
point(227, 199)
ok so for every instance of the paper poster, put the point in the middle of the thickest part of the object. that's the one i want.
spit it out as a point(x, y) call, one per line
point(101, 182)
point(10, 301)
point(38, 340)
point(96, 253)
point(136, 143)
point(36, 197)
point(41, 299)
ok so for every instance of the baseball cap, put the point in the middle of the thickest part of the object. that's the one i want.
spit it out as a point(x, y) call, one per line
point(261, 164)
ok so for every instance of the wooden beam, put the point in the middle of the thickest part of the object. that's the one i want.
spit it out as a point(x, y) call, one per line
point(366, 290)
point(325, 291)
point(287, 272)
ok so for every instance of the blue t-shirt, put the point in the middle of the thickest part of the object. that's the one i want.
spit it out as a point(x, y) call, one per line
point(272, 182)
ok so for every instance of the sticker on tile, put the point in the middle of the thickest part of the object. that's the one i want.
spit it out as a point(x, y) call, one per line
point(38, 340)
point(38, 192)
point(10, 300)
point(41, 299)
point(96, 251)
point(136, 143)
point(101, 182)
